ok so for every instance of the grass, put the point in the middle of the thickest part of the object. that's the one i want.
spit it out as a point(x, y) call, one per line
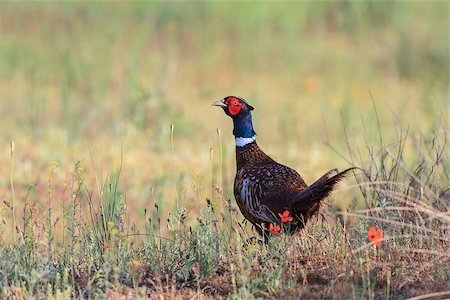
point(105, 256)
point(120, 172)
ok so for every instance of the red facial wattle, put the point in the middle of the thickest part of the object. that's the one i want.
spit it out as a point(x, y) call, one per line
point(234, 110)
point(234, 105)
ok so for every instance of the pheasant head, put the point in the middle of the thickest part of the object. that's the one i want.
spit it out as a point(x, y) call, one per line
point(240, 111)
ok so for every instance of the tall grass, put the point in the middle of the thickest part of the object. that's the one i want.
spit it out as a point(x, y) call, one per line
point(212, 256)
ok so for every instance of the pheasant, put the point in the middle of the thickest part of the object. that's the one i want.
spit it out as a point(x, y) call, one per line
point(267, 192)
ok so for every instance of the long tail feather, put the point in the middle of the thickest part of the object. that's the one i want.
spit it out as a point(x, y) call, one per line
point(318, 191)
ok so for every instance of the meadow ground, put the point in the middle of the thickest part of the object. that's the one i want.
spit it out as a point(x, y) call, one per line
point(117, 173)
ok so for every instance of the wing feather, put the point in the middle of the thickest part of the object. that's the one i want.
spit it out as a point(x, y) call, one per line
point(251, 194)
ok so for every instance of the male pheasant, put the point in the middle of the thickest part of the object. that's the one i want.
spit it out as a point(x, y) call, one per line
point(265, 189)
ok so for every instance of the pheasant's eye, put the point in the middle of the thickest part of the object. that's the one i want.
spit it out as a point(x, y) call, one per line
point(234, 105)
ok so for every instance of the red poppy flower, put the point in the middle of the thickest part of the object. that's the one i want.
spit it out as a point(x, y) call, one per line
point(285, 217)
point(106, 246)
point(375, 236)
point(275, 229)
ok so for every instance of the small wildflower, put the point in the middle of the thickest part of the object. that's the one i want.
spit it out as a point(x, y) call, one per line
point(275, 229)
point(54, 164)
point(285, 217)
point(106, 246)
point(375, 236)
point(110, 225)
point(6, 205)
point(78, 168)
point(114, 231)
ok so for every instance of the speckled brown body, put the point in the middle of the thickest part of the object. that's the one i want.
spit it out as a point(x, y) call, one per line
point(263, 188)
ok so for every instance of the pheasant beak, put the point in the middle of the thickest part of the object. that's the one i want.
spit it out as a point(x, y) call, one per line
point(220, 103)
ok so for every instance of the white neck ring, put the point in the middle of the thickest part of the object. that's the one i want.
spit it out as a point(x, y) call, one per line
point(241, 141)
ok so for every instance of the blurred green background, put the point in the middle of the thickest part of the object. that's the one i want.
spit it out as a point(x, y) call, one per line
point(97, 79)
